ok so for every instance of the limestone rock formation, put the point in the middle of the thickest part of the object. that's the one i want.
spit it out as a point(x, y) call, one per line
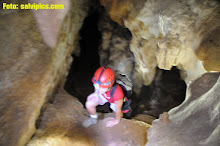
point(196, 121)
point(30, 71)
point(35, 56)
point(170, 33)
point(183, 34)
point(50, 31)
point(114, 50)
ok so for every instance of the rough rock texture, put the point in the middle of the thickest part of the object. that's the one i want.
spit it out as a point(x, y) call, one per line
point(114, 50)
point(183, 34)
point(30, 70)
point(50, 31)
point(196, 121)
point(170, 33)
point(61, 125)
point(164, 34)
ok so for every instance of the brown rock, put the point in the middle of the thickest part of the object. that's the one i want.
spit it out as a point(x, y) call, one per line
point(61, 126)
point(165, 118)
point(30, 70)
point(144, 118)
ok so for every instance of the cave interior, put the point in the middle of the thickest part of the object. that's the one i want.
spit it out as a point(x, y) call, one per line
point(163, 94)
point(169, 51)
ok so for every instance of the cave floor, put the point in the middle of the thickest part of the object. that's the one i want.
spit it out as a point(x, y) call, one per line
point(61, 124)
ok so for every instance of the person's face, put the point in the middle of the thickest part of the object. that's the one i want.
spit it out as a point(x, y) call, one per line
point(100, 89)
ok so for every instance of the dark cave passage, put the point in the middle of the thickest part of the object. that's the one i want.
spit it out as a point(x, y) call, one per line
point(82, 69)
point(166, 91)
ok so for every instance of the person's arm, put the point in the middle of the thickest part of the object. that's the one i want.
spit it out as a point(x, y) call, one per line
point(118, 114)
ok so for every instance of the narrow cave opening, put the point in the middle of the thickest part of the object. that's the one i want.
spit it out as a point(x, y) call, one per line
point(82, 69)
point(166, 91)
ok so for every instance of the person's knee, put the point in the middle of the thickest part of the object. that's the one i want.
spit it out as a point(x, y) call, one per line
point(91, 104)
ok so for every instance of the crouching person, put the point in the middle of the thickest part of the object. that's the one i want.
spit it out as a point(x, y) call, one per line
point(106, 90)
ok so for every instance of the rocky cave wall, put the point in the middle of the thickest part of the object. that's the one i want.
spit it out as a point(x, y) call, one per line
point(115, 50)
point(184, 34)
point(170, 33)
point(35, 57)
point(196, 121)
point(165, 92)
point(163, 33)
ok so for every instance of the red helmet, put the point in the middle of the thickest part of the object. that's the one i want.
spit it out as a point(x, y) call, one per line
point(104, 77)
